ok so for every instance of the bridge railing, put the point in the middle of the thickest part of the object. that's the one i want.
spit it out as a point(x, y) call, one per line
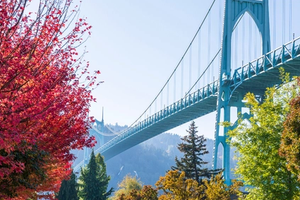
point(270, 60)
point(188, 100)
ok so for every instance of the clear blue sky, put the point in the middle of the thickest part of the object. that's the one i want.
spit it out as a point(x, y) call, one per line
point(137, 44)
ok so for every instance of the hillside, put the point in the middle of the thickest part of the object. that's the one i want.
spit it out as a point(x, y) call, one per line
point(150, 159)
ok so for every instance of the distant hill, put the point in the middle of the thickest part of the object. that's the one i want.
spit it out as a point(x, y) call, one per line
point(150, 159)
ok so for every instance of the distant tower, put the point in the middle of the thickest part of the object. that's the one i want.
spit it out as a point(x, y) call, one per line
point(99, 137)
point(234, 9)
point(101, 129)
point(102, 122)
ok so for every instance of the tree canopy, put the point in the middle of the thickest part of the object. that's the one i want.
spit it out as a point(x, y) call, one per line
point(146, 193)
point(68, 189)
point(216, 189)
point(175, 185)
point(193, 148)
point(258, 142)
point(94, 180)
point(45, 94)
point(127, 186)
point(290, 139)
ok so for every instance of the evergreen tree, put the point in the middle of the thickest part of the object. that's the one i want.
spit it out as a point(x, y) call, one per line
point(193, 148)
point(94, 180)
point(68, 189)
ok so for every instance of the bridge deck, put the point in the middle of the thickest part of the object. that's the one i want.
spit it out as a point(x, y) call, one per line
point(195, 105)
point(263, 72)
point(253, 77)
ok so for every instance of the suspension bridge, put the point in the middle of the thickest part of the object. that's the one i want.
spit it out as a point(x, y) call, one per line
point(215, 74)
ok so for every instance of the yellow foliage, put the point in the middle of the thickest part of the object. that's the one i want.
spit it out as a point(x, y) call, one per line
point(127, 185)
point(216, 189)
point(177, 187)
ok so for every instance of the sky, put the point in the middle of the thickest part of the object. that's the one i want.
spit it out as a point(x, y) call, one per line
point(137, 44)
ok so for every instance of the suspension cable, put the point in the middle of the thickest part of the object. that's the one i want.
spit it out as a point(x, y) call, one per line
point(177, 64)
point(212, 60)
point(204, 71)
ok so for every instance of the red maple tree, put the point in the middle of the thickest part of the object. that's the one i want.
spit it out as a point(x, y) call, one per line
point(45, 94)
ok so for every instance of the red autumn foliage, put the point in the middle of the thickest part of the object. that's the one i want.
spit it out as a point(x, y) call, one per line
point(44, 105)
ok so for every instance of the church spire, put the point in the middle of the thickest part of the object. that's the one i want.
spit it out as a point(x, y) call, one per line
point(102, 115)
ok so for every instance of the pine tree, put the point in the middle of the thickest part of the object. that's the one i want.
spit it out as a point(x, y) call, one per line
point(94, 180)
point(68, 189)
point(192, 163)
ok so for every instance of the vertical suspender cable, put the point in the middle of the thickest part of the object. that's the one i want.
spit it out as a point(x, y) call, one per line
point(253, 39)
point(290, 21)
point(190, 68)
point(168, 93)
point(174, 86)
point(182, 65)
point(283, 21)
point(203, 82)
point(255, 43)
point(250, 38)
point(236, 47)
point(274, 25)
point(208, 51)
point(199, 57)
point(161, 100)
point(212, 66)
point(220, 30)
point(212, 72)
point(243, 41)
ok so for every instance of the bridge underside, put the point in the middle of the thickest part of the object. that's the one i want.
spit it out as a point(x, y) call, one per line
point(258, 83)
point(178, 118)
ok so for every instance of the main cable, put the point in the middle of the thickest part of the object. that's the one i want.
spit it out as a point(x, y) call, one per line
point(177, 64)
point(211, 60)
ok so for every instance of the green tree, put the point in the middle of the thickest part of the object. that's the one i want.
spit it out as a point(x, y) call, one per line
point(94, 180)
point(258, 142)
point(68, 189)
point(290, 139)
point(127, 185)
point(192, 163)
